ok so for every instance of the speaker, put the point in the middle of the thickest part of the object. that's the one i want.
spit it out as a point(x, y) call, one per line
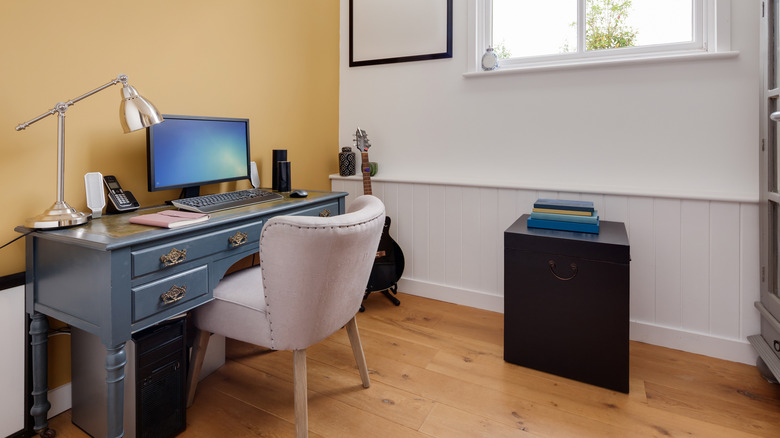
point(283, 172)
point(96, 197)
point(278, 155)
point(254, 176)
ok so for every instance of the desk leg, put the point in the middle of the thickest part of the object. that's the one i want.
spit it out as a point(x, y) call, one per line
point(39, 328)
point(116, 359)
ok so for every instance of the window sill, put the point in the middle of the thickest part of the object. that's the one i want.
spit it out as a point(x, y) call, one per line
point(601, 62)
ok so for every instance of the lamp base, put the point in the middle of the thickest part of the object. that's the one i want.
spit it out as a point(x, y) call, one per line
point(59, 215)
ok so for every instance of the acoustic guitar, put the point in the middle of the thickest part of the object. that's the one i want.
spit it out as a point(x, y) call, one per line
point(389, 262)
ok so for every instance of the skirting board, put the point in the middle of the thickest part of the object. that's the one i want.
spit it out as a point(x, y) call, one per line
point(728, 349)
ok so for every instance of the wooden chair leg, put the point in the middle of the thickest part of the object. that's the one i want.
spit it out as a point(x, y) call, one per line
point(300, 394)
point(357, 350)
point(196, 363)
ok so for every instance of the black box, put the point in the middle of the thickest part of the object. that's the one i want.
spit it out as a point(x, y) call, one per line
point(566, 302)
point(155, 382)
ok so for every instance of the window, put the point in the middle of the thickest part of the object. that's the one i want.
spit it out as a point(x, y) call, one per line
point(529, 33)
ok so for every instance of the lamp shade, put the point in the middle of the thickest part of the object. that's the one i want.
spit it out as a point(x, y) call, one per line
point(135, 112)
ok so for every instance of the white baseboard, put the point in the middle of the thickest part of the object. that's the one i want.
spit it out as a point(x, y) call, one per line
point(60, 400)
point(728, 349)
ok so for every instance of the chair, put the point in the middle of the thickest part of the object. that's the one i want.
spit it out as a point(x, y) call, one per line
point(310, 282)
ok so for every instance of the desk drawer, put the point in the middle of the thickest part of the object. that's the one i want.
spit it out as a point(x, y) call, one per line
point(155, 258)
point(169, 292)
point(330, 209)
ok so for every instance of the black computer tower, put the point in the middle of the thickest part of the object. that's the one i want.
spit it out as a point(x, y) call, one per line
point(155, 382)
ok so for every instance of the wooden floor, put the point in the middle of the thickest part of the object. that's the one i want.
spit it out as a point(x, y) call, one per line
point(437, 371)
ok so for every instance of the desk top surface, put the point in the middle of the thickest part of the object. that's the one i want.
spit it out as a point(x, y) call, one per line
point(115, 230)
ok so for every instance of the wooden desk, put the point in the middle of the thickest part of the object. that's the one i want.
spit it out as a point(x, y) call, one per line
point(112, 278)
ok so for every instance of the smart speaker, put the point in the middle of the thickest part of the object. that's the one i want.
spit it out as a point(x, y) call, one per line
point(255, 177)
point(278, 156)
point(284, 176)
point(96, 198)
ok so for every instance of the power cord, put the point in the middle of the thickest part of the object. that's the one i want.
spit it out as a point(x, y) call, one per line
point(14, 240)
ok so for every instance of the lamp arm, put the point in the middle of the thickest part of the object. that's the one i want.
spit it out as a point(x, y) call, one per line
point(61, 107)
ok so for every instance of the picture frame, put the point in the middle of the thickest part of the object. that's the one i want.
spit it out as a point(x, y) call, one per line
point(386, 32)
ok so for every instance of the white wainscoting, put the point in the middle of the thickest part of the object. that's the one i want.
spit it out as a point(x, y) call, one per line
point(694, 263)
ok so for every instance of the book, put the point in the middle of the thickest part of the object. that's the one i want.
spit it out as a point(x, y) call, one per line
point(170, 218)
point(567, 217)
point(565, 226)
point(564, 204)
point(557, 211)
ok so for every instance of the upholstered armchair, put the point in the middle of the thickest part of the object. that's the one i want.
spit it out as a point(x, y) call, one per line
point(310, 283)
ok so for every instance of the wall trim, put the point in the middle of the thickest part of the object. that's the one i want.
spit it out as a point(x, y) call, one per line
point(486, 182)
point(60, 399)
point(698, 343)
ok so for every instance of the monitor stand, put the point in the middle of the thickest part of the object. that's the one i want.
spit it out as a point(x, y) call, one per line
point(189, 192)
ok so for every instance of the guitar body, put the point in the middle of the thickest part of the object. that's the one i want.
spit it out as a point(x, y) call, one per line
point(389, 262)
point(388, 265)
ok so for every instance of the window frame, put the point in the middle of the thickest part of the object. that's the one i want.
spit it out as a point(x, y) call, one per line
point(711, 35)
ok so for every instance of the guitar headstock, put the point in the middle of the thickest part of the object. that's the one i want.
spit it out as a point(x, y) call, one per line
point(361, 140)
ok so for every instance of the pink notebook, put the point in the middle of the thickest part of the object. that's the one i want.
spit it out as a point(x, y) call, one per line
point(170, 218)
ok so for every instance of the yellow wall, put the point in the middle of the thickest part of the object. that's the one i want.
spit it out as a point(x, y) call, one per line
point(274, 62)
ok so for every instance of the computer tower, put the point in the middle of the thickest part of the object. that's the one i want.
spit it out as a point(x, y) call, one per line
point(155, 382)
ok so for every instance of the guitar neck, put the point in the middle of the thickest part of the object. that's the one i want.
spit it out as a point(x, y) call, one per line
point(366, 169)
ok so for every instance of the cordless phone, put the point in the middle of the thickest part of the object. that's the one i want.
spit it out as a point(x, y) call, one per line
point(120, 200)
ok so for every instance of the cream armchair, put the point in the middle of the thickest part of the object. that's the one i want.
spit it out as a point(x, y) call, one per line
point(310, 282)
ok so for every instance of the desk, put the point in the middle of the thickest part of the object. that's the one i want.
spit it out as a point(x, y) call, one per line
point(112, 278)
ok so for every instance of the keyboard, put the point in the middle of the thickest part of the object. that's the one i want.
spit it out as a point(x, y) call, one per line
point(224, 201)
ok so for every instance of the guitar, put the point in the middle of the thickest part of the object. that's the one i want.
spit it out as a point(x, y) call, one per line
point(389, 262)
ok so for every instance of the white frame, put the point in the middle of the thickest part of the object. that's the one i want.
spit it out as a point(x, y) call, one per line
point(711, 35)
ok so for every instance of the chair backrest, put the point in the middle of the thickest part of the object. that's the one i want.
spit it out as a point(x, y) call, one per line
point(315, 270)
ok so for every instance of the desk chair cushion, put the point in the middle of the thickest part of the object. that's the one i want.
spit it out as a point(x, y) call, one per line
point(294, 299)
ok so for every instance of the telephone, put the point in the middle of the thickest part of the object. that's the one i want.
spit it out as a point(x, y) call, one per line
point(120, 199)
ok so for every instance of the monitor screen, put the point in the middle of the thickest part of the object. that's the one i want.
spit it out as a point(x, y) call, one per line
point(190, 151)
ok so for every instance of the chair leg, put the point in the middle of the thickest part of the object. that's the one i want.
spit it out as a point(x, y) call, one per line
point(300, 395)
point(196, 363)
point(357, 350)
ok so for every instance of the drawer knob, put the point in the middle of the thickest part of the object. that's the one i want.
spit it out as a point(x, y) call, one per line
point(572, 266)
point(325, 213)
point(174, 257)
point(174, 294)
point(237, 239)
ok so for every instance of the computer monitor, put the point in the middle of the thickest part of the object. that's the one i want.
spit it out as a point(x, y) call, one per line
point(189, 151)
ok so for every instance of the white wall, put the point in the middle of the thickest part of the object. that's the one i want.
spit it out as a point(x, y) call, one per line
point(686, 128)
point(12, 361)
point(671, 149)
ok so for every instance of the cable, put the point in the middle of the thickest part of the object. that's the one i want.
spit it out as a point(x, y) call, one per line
point(14, 240)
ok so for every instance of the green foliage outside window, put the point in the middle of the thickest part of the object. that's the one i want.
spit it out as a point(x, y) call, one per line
point(605, 26)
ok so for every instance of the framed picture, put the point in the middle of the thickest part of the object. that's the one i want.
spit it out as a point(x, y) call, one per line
point(385, 32)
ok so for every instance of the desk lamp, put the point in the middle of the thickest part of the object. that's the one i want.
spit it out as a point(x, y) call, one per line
point(135, 113)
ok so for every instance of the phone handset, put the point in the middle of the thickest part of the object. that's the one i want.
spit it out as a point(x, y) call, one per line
point(120, 200)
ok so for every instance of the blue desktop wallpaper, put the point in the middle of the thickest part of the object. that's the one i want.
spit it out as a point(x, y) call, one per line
point(199, 151)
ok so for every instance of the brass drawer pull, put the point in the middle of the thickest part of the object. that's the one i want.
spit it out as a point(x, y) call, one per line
point(572, 266)
point(237, 239)
point(174, 294)
point(174, 257)
point(325, 213)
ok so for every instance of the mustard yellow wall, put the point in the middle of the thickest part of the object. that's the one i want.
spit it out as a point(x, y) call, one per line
point(272, 61)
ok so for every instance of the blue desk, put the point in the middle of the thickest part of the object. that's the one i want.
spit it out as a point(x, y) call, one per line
point(112, 278)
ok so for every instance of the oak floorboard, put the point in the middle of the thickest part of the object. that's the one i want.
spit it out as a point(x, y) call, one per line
point(437, 370)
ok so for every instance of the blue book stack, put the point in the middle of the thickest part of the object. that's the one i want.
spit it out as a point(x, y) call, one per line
point(561, 214)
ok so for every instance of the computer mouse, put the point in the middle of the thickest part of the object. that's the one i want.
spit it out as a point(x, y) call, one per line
point(299, 194)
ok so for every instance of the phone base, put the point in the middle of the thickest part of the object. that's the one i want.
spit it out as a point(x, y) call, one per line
point(59, 215)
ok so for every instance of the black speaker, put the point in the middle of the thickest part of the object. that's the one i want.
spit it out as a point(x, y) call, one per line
point(284, 176)
point(278, 155)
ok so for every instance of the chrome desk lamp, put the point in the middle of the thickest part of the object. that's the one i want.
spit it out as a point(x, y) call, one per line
point(135, 113)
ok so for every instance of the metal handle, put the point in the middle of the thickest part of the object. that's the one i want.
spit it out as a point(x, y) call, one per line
point(572, 266)
point(775, 116)
point(325, 213)
point(237, 239)
point(174, 257)
point(174, 294)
